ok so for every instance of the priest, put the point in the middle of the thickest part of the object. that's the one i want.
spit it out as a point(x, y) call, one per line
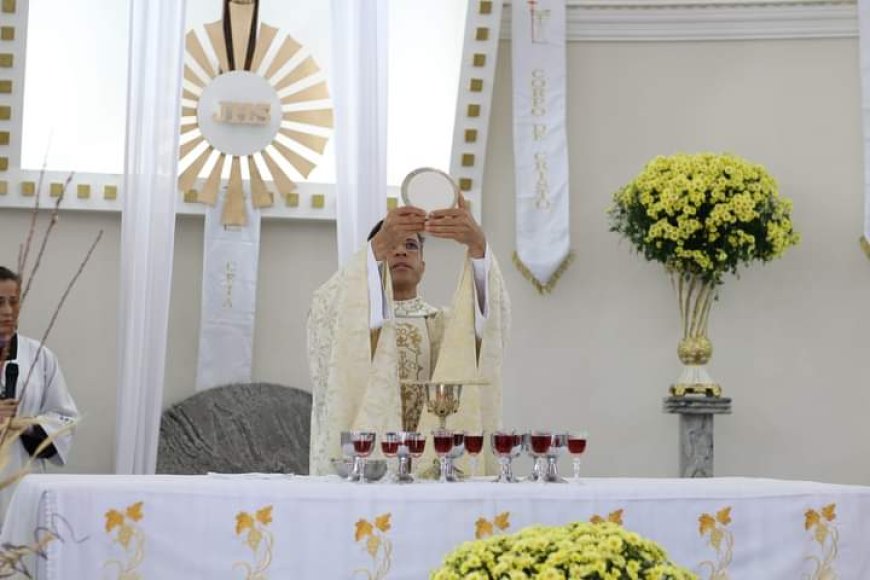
point(35, 404)
point(372, 339)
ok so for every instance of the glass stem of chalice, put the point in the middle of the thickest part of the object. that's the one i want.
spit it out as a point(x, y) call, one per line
point(558, 446)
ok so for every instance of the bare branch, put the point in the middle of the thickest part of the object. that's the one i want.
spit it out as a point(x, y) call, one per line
point(25, 251)
point(57, 312)
point(51, 223)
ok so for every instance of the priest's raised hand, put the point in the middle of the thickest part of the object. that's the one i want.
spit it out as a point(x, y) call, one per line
point(398, 225)
point(458, 224)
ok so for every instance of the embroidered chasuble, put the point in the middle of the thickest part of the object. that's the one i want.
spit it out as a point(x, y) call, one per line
point(418, 330)
point(358, 373)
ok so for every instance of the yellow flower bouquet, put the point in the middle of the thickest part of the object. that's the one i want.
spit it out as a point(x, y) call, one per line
point(704, 214)
point(701, 216)
point(602, 551)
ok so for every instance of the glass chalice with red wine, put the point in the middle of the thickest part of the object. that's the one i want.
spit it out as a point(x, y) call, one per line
point(411, 446)
point(390, 448)
point(539, 445)
point(577, 447)
point(442, 441)
point(363, 445)
point(473, 446)
point(505, 445)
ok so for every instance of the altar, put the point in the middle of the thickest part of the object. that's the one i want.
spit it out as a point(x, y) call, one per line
point(276, 526)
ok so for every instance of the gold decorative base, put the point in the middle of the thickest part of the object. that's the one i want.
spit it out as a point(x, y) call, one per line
point(708, 390)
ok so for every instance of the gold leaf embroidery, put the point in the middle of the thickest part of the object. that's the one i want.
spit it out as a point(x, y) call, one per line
point(259, 539)
point(614, 517)
point(129, 537)
point(811, 519)
point(255, 536)
point(721, 539)
point(706, 524)
point(244, 521)
point(383, 523)
point(482, 528)
point(125, 535)
point(363, 529)
point(821, 533)
point(134, 512)
point(264, 515)
point(502, 521)
point(825, 533)
point(114, 518)
point(372, 545)
point(716, 538)
point(377, 545)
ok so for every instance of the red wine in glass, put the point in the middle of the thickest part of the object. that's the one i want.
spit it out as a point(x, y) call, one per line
point(576, 445)
point(458, 438)
point(363, 446)
point(541, 443)
point(443, 443)
point(473, 444)
point(416, 446)
point(503, 442)
point(390, 448)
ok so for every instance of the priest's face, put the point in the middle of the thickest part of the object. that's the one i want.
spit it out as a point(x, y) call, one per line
point(9, 307)
point(407, 265)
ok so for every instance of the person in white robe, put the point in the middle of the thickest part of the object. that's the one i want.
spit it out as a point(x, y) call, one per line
point(371, 335)
point(35, 402)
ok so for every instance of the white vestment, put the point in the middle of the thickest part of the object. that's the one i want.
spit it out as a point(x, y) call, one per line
point(356, 372)
point(45, 398)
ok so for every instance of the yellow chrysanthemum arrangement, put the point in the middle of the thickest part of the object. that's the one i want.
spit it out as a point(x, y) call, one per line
point(603, 551)
point(704, 214)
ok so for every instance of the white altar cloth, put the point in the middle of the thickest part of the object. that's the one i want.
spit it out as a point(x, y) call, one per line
point(284, 527)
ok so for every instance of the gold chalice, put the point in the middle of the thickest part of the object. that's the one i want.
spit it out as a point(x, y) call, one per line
point(442, 400)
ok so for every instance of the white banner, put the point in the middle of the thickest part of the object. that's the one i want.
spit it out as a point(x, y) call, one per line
point(540, 142)
point(864, 44)
point(229, 294)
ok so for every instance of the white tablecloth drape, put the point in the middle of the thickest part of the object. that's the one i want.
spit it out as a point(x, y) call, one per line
point(212, 527)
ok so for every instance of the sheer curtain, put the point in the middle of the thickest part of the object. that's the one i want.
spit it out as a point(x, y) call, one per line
point(147, 226)
point(359, 93)
point(864, 44)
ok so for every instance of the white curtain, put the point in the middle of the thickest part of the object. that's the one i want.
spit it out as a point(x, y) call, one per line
point(864, 44)
point(359, 92)
point(147, 226)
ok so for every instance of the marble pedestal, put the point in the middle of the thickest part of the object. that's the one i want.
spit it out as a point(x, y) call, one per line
point(696, 431)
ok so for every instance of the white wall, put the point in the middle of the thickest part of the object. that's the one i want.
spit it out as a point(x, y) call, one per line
point(787, 337)
point(600, 351)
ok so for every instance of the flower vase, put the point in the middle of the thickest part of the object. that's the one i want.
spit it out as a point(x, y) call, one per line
point(696, 296)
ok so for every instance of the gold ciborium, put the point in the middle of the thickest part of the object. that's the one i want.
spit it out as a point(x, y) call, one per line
point(442, 400)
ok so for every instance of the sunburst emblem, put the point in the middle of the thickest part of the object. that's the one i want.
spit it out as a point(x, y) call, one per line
point(258, 106)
